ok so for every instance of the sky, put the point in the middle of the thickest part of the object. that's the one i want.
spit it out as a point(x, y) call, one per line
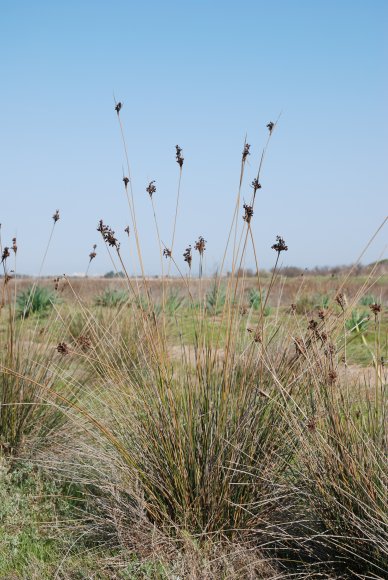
point(204, 75)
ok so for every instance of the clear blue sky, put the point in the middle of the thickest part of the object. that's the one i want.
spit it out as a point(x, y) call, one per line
point(201, 74)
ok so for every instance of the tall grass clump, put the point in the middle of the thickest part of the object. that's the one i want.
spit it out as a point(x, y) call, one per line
point(220, 439)
point(242, 436)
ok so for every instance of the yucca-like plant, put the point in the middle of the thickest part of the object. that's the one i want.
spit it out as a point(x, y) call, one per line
point(35, 300)
point(215, 298)
point(358, 321)
point(112, 298)
point(368, 299)
point(174, 302)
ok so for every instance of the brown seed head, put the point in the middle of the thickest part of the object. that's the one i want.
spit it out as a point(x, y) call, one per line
point(270, 127)
point(187, 255)
point(323, 336)
point(62, 348)
point(56, 216)
point(293, 308)
point(321, 314)
point(93, 254)
point(118, 107)
point(246, 151)
point(330, 350)
point(14, 245)
point(56, 283)
point(126, 181)
point(127, 230)
point(313, 324)
point(167, 253)
point(255, 185)
point(6, 254)
point(332, 377)
point(84, 342)
point(108, 235)
point(178, 155)
point(340, 299)
point(151, 188)
point(280, 245)
point(200, 245)
point(248, 213)
point(376, 308)
point(256, 335)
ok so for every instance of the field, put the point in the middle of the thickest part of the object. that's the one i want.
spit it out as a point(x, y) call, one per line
point(193, 427)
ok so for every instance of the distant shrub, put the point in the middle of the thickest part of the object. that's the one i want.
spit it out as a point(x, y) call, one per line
point(368, 299)
point(215, 299)
point(35, 300)
point(358, 321)
point(111, 298)
point(112, 274)
point(173, 303)
point(254, 299)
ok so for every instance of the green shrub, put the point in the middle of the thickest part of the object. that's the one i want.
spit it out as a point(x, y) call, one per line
point(35, 300)
point(368, 299)
point(111, 298)
point(215, 298)
point(174, 303)
point(358, 321)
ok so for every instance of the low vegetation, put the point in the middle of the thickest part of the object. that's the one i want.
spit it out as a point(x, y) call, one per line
point(193, 428)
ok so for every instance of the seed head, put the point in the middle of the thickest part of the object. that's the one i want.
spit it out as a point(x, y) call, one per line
point(62, 348)
point(127, 230)
point(108, 235)
point(245, 152)
point(93, 254)
point(167, 253)
point(188, 256)
point(280, 245)
point(14, 245)
point(340, 299)
point(255, 185)
point(313, 324)
point(7, 278)
point(56, 216)
point(248, 213)
point(126, 181)
point(293, 308)
point(323, 336)
point(330, 350)
point(84, 342)
point(322, 314)
point(6, 254)
point(256, 335)
point(56, 284)
point(376, 308)
point(151, 188)
point(118, 107)
point(332, 376)
point(270, 127)
point(200, 245)
point(179, 158)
